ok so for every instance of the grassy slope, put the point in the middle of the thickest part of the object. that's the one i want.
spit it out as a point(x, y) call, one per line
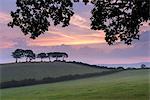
point(22, 71)
point(126, 85)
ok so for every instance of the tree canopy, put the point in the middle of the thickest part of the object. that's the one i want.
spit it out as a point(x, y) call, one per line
point(30, 55)
point(18, 53)
point(120, 19)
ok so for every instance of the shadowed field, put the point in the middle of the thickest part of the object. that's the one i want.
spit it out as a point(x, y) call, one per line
point(125, 85)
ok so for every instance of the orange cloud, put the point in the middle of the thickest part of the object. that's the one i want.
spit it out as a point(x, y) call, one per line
point(56, 36)
point(67, 39)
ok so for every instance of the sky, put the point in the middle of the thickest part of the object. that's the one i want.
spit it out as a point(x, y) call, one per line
point(78, 40)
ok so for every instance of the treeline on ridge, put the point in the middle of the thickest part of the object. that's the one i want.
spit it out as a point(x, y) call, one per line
point(29, 55)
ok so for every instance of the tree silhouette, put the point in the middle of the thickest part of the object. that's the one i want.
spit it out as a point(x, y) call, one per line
point(41, 55)
point(32, 56)
point(49, 55)
point(57, 55)
point(18, 53)
point(29, 55)
point(120, 19)
point(143, 66)
point(64, 55)
point(32, 15)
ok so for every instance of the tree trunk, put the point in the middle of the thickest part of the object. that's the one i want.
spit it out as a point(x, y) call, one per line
point(26, 59)
point(41, 60)
point(49, 59)
point(16, 60)
point(56, 58)
point(30, 60)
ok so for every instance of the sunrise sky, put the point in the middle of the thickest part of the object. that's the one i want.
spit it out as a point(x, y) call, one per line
point(81, 43)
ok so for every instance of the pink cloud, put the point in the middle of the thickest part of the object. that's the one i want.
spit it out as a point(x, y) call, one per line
point(4, 45)
point(80, 22)
point(142, 58)
point(4, 18)
point(145, 27)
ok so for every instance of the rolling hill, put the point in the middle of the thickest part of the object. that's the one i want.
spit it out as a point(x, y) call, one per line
point(124, 85)
point(21, 71)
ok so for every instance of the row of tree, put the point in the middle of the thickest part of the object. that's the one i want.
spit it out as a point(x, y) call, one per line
point(29, 55)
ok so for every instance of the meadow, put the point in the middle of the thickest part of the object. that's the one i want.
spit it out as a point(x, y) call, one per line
point(38, 70)
point(124, 85)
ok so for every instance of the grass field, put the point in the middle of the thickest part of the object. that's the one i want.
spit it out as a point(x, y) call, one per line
point(125, 85)
point(38, 71)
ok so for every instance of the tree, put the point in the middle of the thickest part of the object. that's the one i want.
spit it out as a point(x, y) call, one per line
point(120, 19)
point(49, 55)
point(143, 66)
point(18, 53)
point(31, 57)
point(64, 55)
point(29, 54)
point(120, 68)
point(57, 55)
point(41, 55)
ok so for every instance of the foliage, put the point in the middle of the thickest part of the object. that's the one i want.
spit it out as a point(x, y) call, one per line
point(29, 54)
point(120, 19)
point(59, 55)
point(41, 55)
point(18, 53)
point(143, 66)
point(49, 55)
point(32, 15)
point(64, 55)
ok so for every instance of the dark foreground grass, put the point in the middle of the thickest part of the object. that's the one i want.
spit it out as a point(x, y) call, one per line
point(125, 85)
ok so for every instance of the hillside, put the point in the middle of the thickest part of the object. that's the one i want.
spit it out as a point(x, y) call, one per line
point(21, 71)
point(125, 85)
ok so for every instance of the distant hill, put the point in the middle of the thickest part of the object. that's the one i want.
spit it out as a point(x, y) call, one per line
point(38, 71)
point(133, 65)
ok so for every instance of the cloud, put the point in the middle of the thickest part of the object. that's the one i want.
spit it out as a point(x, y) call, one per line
point(60, 34)
point(145, 27)
point(5, 45)
point(79, 22)
point(145, 59)
point(4, 18)
point(99, 53)
point(64, 40)
point(79, 41)
point(57, 38)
